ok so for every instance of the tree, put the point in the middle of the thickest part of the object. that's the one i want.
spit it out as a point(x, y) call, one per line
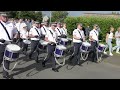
point(26, 14)
point(59, 16)
point(12, 14)
point(38, 16)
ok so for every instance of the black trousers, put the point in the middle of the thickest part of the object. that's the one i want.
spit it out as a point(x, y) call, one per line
point(93, 49)
point(6, 62)
point(34, 46)
point(76, 54)
point(50, 55)
point(25, 47)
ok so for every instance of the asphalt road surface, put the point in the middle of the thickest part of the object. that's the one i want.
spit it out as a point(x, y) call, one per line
point(29, 69)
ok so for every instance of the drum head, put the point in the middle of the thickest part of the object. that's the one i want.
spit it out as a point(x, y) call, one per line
point(86, 44)
point(64, 39)
point(102, 45)
point(13, 47)
point(43, 42)
point(61, 47)
point(26, 41)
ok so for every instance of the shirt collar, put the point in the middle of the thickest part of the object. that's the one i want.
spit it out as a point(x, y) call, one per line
point(3, 22)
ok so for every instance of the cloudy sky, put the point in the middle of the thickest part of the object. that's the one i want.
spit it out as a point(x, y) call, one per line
point(78, 13)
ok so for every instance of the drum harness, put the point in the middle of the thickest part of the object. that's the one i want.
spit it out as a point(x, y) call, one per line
point(4, 53)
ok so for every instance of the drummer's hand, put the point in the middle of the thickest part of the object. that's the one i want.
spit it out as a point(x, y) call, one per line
point(36, 36)
point(2, 40)
point(14, 39)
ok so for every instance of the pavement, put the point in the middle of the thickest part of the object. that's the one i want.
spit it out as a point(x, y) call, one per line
point(109, 68)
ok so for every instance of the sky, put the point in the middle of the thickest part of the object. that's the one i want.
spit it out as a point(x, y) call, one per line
point(78, 13)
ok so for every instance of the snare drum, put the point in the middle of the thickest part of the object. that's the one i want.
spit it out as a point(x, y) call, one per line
point(60, 50)
point(43, 44)
point(64, 41)
point(101, 47)
point(85, 47)
point(27, 41)
point(11, 52)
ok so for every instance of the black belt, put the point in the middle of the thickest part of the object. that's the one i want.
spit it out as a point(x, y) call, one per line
point(52, 44)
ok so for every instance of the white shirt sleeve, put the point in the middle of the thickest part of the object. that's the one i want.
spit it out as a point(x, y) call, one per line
point(91, 33)
point(75, 32)
point(30, 32)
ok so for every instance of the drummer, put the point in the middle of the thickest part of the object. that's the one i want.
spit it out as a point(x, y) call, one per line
point(44, 28)
point(64, 29)
point(59, 30)
point(24, 35)
point(78, 38)
point(51, 37)
point(93, 37)
point(34, 35)
point(12, 35)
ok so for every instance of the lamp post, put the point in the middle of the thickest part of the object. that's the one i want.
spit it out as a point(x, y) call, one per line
point(50, 16)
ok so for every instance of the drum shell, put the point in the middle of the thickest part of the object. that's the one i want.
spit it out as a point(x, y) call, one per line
point(11, 55)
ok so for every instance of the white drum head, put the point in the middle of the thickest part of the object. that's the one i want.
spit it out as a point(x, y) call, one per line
point(86, 44)
point(69, 38)
point(64, 39)
point(13, 47)
point(43, 42)
point(26, 41)
point(102, 45)
point(61, 47)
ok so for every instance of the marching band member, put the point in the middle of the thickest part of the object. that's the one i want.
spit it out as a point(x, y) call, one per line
point(58, 29)
point(34, 34)
point(8, 32)
point(117, 36)
point(93, 37)
point(64, 30)
point(19, 27)
point(51, 37)
point(24, 35)
point(78, 38)
point(109, 37)
point(44, 28)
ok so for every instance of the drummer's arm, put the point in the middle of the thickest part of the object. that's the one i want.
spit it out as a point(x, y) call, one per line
point(46, 39)
point(91, 39)
point(75, 37)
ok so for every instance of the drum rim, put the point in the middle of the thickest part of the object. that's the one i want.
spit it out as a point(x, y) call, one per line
point(60, 48)
point(12, 50)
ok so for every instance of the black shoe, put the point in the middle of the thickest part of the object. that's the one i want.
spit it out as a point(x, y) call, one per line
point(43, 64)
point(30, 57)
point(7, 77)
point(37, 61)
point(55, 70)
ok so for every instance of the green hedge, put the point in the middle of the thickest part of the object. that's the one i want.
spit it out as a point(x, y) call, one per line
point(103, 22)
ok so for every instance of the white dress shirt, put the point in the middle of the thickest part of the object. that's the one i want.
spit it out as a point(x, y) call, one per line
point(64, 30)
point(52, 37)
point(94, 33)
point(20, 26)
point(44, 30)
point(59, 31)
point(10, 28)
point(78, 33)
point(34, 32)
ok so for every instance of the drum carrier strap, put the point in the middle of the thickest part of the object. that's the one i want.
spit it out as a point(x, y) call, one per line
point(59, 31)
point(6, 31)
point(80, 34)
point(37, 32)
point(44, 29)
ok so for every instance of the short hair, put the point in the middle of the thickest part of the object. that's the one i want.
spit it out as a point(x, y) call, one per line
point(79, 24)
